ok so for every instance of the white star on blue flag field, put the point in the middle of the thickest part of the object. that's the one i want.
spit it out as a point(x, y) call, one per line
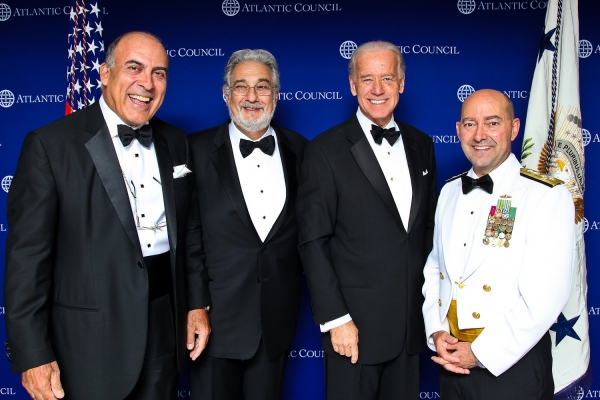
point(86, 53)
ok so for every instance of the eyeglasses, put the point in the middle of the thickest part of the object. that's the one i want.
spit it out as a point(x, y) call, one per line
point(261, 89)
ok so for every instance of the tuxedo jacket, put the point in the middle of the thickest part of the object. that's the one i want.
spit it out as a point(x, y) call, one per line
point(515, 293)
point(357, 255)
point(76, 287)
point(252, 287)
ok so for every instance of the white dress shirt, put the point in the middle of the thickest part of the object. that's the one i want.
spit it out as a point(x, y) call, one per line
point(392, 160)
point(262, 181)
point(142, 182)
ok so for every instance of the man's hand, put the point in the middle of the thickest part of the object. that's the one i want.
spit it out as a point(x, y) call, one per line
point(344, 339)
point(197, 324)
point(462, 350)
point(453, 355)
point(43, 382)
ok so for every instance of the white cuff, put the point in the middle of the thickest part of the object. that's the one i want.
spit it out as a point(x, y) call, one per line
point(327, 326)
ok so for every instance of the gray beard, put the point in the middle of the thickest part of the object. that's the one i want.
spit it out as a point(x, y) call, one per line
point(255, 125)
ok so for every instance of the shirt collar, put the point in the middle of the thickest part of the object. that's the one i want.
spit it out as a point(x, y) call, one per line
point(498, 173)
point(112, 119)
point(235, 134)
point(365, 123)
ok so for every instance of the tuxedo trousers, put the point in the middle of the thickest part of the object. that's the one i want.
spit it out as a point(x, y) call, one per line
point(158, 378)
point(530, 378)
point(259, 378)
point(396, 379)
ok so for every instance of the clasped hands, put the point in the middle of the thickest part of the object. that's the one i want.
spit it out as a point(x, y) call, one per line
point(453, 355)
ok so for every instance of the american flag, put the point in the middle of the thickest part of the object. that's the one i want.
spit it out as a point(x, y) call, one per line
point(86, 53)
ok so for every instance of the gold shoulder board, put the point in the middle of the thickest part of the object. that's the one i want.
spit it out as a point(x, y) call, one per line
point(456, 177)
point(541, 178)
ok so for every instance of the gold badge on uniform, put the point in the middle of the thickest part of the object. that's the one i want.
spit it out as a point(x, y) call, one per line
point(500, 223)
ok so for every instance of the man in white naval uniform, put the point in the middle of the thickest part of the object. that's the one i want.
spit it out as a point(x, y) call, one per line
point(500, 270)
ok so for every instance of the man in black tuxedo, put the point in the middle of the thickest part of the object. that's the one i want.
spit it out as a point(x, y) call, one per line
point(366, 204)
point(98, 248)
point(246, 182)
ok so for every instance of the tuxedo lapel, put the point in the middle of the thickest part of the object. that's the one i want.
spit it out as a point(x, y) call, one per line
point(288, 159)
point(366, 160)
point(413, 159)
point(222, 158)
point(102, 151)
point(165, 166)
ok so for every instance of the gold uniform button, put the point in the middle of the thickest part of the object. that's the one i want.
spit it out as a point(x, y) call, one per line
point(440, 302)
point(476, 315)
point(487, 288)
point(441, 276)
point(461, 285)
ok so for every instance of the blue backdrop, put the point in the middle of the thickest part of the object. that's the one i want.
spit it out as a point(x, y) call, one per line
point(446, 44)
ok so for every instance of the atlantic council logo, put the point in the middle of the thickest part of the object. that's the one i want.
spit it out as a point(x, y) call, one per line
point(347, 49)
point(429, 395)
point(586, 225)
point(306, 353)
point(230, 7)
point(6, 183)
point(185, 52)
point(585, 48)
point(5, 12)
point(466, 6)
point(464, 91)
point(587, 136)
point(302, 95)
point(7, 98)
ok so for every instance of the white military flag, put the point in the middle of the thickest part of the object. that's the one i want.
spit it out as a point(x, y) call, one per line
point(553, 144)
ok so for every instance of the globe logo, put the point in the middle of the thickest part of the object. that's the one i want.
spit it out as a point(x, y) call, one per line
point(586, 225)
point(587, 136)
point(230, 7)
point(464, 91)
point(347, 49)
point(585, 48)
point(6, 182)
point(7, 98)
point(466, 6)
point(579, 393)
point(5, 12)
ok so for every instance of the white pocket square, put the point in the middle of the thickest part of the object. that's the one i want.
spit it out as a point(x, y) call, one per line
point(425, 172)
point(179, 171)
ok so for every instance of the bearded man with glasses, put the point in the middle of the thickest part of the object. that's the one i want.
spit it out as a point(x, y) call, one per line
point(246, 184)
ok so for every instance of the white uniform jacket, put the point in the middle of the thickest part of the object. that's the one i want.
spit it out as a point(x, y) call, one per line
point(515, 293)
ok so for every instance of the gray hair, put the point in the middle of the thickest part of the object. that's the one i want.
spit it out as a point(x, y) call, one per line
point(109, 57)
point(247, 55)
point(370, 47)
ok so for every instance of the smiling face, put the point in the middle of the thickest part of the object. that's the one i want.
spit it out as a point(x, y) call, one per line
point(486, 129)
point(376, 85)
point(250, 112)
point(135, 87)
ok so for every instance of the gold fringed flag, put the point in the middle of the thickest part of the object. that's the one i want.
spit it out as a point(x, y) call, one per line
point(553, 145)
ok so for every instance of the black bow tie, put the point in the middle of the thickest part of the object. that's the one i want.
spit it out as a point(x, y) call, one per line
point(143, 135)
point(390, 134)
point(485, 182)
point(266, 145)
